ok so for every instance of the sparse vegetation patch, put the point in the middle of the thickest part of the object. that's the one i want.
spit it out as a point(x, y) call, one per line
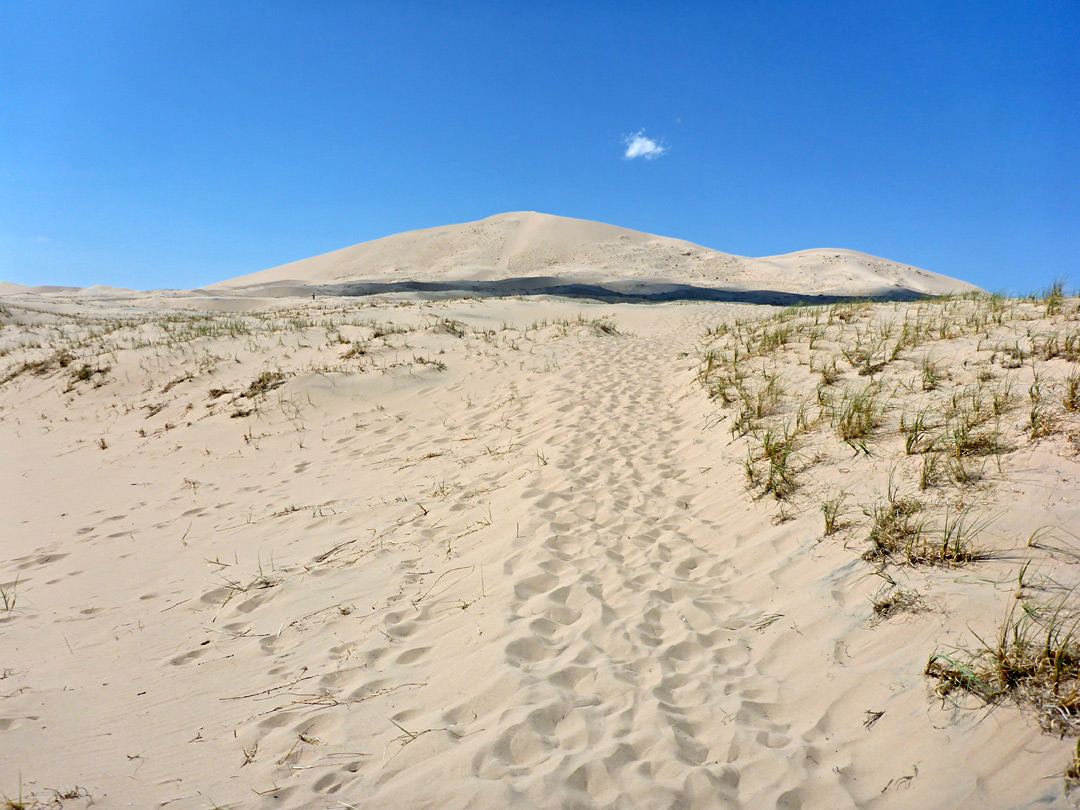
point(918, 410)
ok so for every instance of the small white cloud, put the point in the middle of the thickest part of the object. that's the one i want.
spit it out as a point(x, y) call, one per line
point(637, 145)
point(43, 239)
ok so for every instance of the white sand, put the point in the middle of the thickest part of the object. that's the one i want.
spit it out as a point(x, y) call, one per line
point(530, 578)
point(527, 245)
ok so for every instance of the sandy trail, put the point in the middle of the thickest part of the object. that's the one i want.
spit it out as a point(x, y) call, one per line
point(625, 670)
point(631, 661)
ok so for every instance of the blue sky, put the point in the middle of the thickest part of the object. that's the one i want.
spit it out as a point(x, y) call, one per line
point(168, 144)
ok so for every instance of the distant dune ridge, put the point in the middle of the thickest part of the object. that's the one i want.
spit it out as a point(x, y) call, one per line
point(540, 249)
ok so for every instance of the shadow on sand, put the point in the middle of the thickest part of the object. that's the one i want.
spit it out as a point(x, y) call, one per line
point(630, 291)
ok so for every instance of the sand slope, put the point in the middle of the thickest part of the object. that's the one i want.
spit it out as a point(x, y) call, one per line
point(529, 245)
point(458, 554)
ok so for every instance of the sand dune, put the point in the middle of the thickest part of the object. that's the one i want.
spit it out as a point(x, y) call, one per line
point(560, 250)
point(531, 552)
point(455, 520)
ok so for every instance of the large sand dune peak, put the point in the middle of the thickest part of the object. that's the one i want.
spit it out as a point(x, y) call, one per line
point(526, 244)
